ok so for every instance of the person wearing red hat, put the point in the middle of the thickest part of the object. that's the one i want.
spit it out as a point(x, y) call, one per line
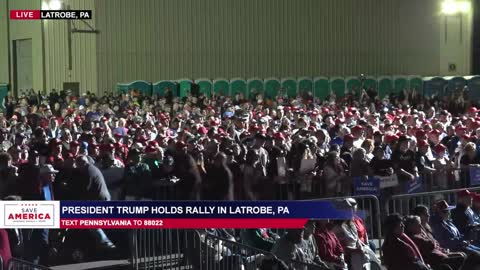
point(74, 148)
point(55, 157)
point(444, 168)
point(358, 132)
point(463, 216)
point(446, 232)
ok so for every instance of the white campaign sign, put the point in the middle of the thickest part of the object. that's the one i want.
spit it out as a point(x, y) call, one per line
point(388, 181)
point(30, 214)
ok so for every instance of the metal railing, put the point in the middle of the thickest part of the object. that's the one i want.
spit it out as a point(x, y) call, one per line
point(164, 248)
point(404, 203)
point(17, 264)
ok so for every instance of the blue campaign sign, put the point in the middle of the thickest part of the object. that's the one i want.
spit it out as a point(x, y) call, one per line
point(474, 176)
point(414, 186)
point(366, 185)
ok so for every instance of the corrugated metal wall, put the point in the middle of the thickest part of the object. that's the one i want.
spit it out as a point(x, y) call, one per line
point(169, 39)
point(84, 64)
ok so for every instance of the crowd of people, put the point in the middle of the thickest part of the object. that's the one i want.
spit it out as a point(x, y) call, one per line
point(131, 146)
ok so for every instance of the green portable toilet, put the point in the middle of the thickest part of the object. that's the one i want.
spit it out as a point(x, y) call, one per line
point(3, 94)
point(221, 87)
point(255, 86)
point(400, 83)
point(305, 84)
point(238, 85)
point(385, 86)
point(322, 87)
point(160, 87)
point(205, 86)
point(338, 86)
point(272, 85)
point(354, 85)
point(184, 87)
point(290, 85)
point(416, 82)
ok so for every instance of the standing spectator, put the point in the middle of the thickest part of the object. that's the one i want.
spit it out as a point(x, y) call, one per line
point(468, 159)
point(37, 244)
point(219, 183)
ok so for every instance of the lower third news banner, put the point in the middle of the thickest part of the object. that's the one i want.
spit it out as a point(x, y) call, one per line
point(167, 214)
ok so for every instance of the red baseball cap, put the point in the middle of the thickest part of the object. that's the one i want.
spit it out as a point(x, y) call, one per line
point(422, 143)
point(439, 148)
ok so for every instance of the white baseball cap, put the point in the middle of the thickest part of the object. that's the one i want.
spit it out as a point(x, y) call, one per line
point(47, 168)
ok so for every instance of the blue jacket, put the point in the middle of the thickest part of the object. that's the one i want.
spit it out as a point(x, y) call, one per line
point(446, 233)
point(463, 218)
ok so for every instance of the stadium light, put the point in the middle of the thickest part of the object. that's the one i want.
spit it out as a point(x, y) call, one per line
point(450, 7)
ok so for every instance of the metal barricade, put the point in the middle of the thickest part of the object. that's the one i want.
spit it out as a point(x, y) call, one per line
point(223, 254)
point(370, 205)
point(404, 203)
point(164, 248)
point(17, 264)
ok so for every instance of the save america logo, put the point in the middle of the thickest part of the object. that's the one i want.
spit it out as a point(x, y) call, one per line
point(28, 214)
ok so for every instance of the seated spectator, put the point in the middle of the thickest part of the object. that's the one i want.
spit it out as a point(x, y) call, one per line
point(5, 253)
point(329, 248)
point(260, 238)
point(463, 216)
point(357, 252)
point(309, 246)
point(447, 233)
point(468, 159)
point(432, 253)
point(399, 251)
